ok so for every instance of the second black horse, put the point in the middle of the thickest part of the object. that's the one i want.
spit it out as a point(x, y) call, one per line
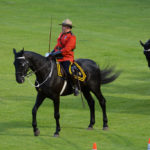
point(146, 51)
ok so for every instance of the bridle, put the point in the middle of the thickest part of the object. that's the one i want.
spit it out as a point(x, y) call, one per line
point(24, 63)
point(146, 50)
point(33, 72)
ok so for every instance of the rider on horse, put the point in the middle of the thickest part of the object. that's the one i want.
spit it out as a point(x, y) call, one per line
point(64, 51)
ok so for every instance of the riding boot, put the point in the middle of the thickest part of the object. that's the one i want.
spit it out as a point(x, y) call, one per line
point(73, 82)
point(75, 86)
point(76, 90)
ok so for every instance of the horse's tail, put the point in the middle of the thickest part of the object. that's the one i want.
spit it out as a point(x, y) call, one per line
point(109, 75)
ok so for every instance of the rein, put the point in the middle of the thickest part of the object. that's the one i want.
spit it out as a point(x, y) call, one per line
point(31, 72)
point(39, 84)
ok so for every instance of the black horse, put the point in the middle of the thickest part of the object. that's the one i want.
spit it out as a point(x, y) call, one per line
point(146, 47)
point(49, 84)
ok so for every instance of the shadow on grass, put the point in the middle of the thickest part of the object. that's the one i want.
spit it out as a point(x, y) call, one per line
point(6, 126)
point(15, 128)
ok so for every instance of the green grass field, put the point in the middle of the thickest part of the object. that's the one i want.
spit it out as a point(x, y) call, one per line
point(107, 32)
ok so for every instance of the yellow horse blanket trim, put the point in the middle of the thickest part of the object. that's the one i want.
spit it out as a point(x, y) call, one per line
point(81, 74)
point(59, 69)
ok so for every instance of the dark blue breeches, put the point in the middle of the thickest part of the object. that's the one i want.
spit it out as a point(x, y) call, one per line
point(66, 65)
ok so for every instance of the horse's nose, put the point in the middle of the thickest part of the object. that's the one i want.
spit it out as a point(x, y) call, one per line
point(20, 80)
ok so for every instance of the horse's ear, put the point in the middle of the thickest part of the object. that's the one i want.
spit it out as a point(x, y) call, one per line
point(142, 43)
point(22, 51)
point(14, 50)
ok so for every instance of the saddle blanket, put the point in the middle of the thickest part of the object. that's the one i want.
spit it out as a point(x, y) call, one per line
point(74, 69)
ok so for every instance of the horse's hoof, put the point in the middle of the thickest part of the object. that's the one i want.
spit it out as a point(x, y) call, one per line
point(105, 128)
point(90, 128)
point(37, 133)
point(56, 135)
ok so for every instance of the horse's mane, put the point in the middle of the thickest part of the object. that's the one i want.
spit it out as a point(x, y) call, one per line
point(35, 56)
point(30, 54)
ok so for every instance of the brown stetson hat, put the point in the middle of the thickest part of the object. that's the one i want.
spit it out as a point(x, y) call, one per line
point(67, 22)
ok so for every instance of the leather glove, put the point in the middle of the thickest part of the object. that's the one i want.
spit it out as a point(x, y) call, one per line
point(57, 54)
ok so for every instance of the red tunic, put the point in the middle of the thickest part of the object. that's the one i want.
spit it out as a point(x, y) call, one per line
point(66, 43)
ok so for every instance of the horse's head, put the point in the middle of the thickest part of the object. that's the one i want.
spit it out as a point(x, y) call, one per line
point(21, 65)
point(146, 47)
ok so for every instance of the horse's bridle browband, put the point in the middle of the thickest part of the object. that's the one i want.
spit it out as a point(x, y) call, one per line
point(146, 50)
point(20, 57)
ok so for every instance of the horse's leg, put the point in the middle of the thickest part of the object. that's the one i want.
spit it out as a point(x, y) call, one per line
point(102, 103)
point(38, 102)
point(57, 116)
point(91, 105)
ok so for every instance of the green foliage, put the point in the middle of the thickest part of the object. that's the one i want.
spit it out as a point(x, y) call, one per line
point(107, 32)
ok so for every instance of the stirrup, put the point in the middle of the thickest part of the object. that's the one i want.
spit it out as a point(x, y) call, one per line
point(76, 92)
